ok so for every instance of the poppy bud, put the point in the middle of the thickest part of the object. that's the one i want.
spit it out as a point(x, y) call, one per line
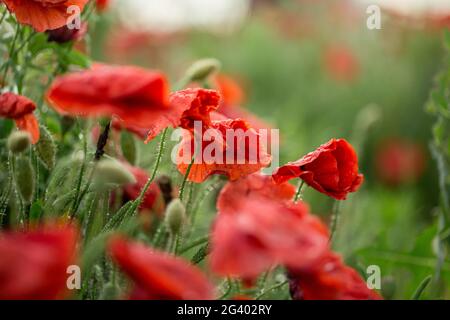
point(110, 171)
point(19, 141)
point(388, 287)
point(46, 148)
point(129, 149)
point(24, 178)
point(64, 34)
point(175, 216)
point(202, 69)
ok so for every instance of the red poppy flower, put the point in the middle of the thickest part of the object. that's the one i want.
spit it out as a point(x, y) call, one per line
point(330, 279)
point(229, 147)
point(399, 162)
point(158, 275)
point(255, 184)
point(341, 64)
point(132, 191)
point(33, 264)
point(43, 15)
point(198, 104)
point(20, 109)
point(331, 169)
point(259, 233)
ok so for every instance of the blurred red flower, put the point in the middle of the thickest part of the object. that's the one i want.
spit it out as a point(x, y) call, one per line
point(329, 279)
point(158, 275)
point(43, 15)
point(20, 109)
point(236, 157)
point(341, 64)
point(399, 161)
point(102, 5)
point(33, 264)
point(258, 227)
point(332, 169)
point(153, 194)
point(255, 184)
point(136, 96)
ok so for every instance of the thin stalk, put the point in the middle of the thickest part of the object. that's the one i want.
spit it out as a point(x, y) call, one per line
point(334, 220)
point(299, 194)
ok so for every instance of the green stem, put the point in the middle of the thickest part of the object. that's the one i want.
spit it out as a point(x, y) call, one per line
point(11, 50)
point(334, 220)
point(3, 16)
point(185, 178)
point(421, 288)
point(298, 195)
point(277, 286)
point(194, 244)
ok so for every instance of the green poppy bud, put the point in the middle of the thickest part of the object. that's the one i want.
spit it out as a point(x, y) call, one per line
point(19, 141)
point(202, 69)
point(129, 149)
point(46, 149)
point(24, 178)
point(110, 171)
point(175, 216)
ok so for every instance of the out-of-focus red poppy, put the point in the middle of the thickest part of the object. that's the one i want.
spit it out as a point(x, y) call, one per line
point(20, 109)
point(260, 229)
point(136, 96)
point(255, 184)
point(158, 275)
point(399, 162)
point(33, 264)
point(44, 15)
point(102, 5)
point(152, 200)
point(341, 63)
point(329, 279)
point(235, 156)
point(332, 169)
point(64, 34)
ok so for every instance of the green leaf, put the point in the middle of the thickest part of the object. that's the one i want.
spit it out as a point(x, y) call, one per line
point(36, 211)
point(421, 288)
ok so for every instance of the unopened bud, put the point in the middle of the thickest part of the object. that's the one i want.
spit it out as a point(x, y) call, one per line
point(202, 69)
point(129, 149)
point(24, 178)
point(19, 141)
point(111, 171)
point(46, 148)
point(64, 34)
point(388, 287)
point(175, 216)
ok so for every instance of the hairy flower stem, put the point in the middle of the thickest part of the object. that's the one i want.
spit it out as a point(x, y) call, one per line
point(334, 220)
point(185, 178)
point(194, 244)
point(299, 194)
point(11, 51)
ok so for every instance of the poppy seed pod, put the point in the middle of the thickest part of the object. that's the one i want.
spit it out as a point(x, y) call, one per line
point(175, 216)
point(18, 141)
point(110, 171)
point(24, 178)
point(202, 69)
